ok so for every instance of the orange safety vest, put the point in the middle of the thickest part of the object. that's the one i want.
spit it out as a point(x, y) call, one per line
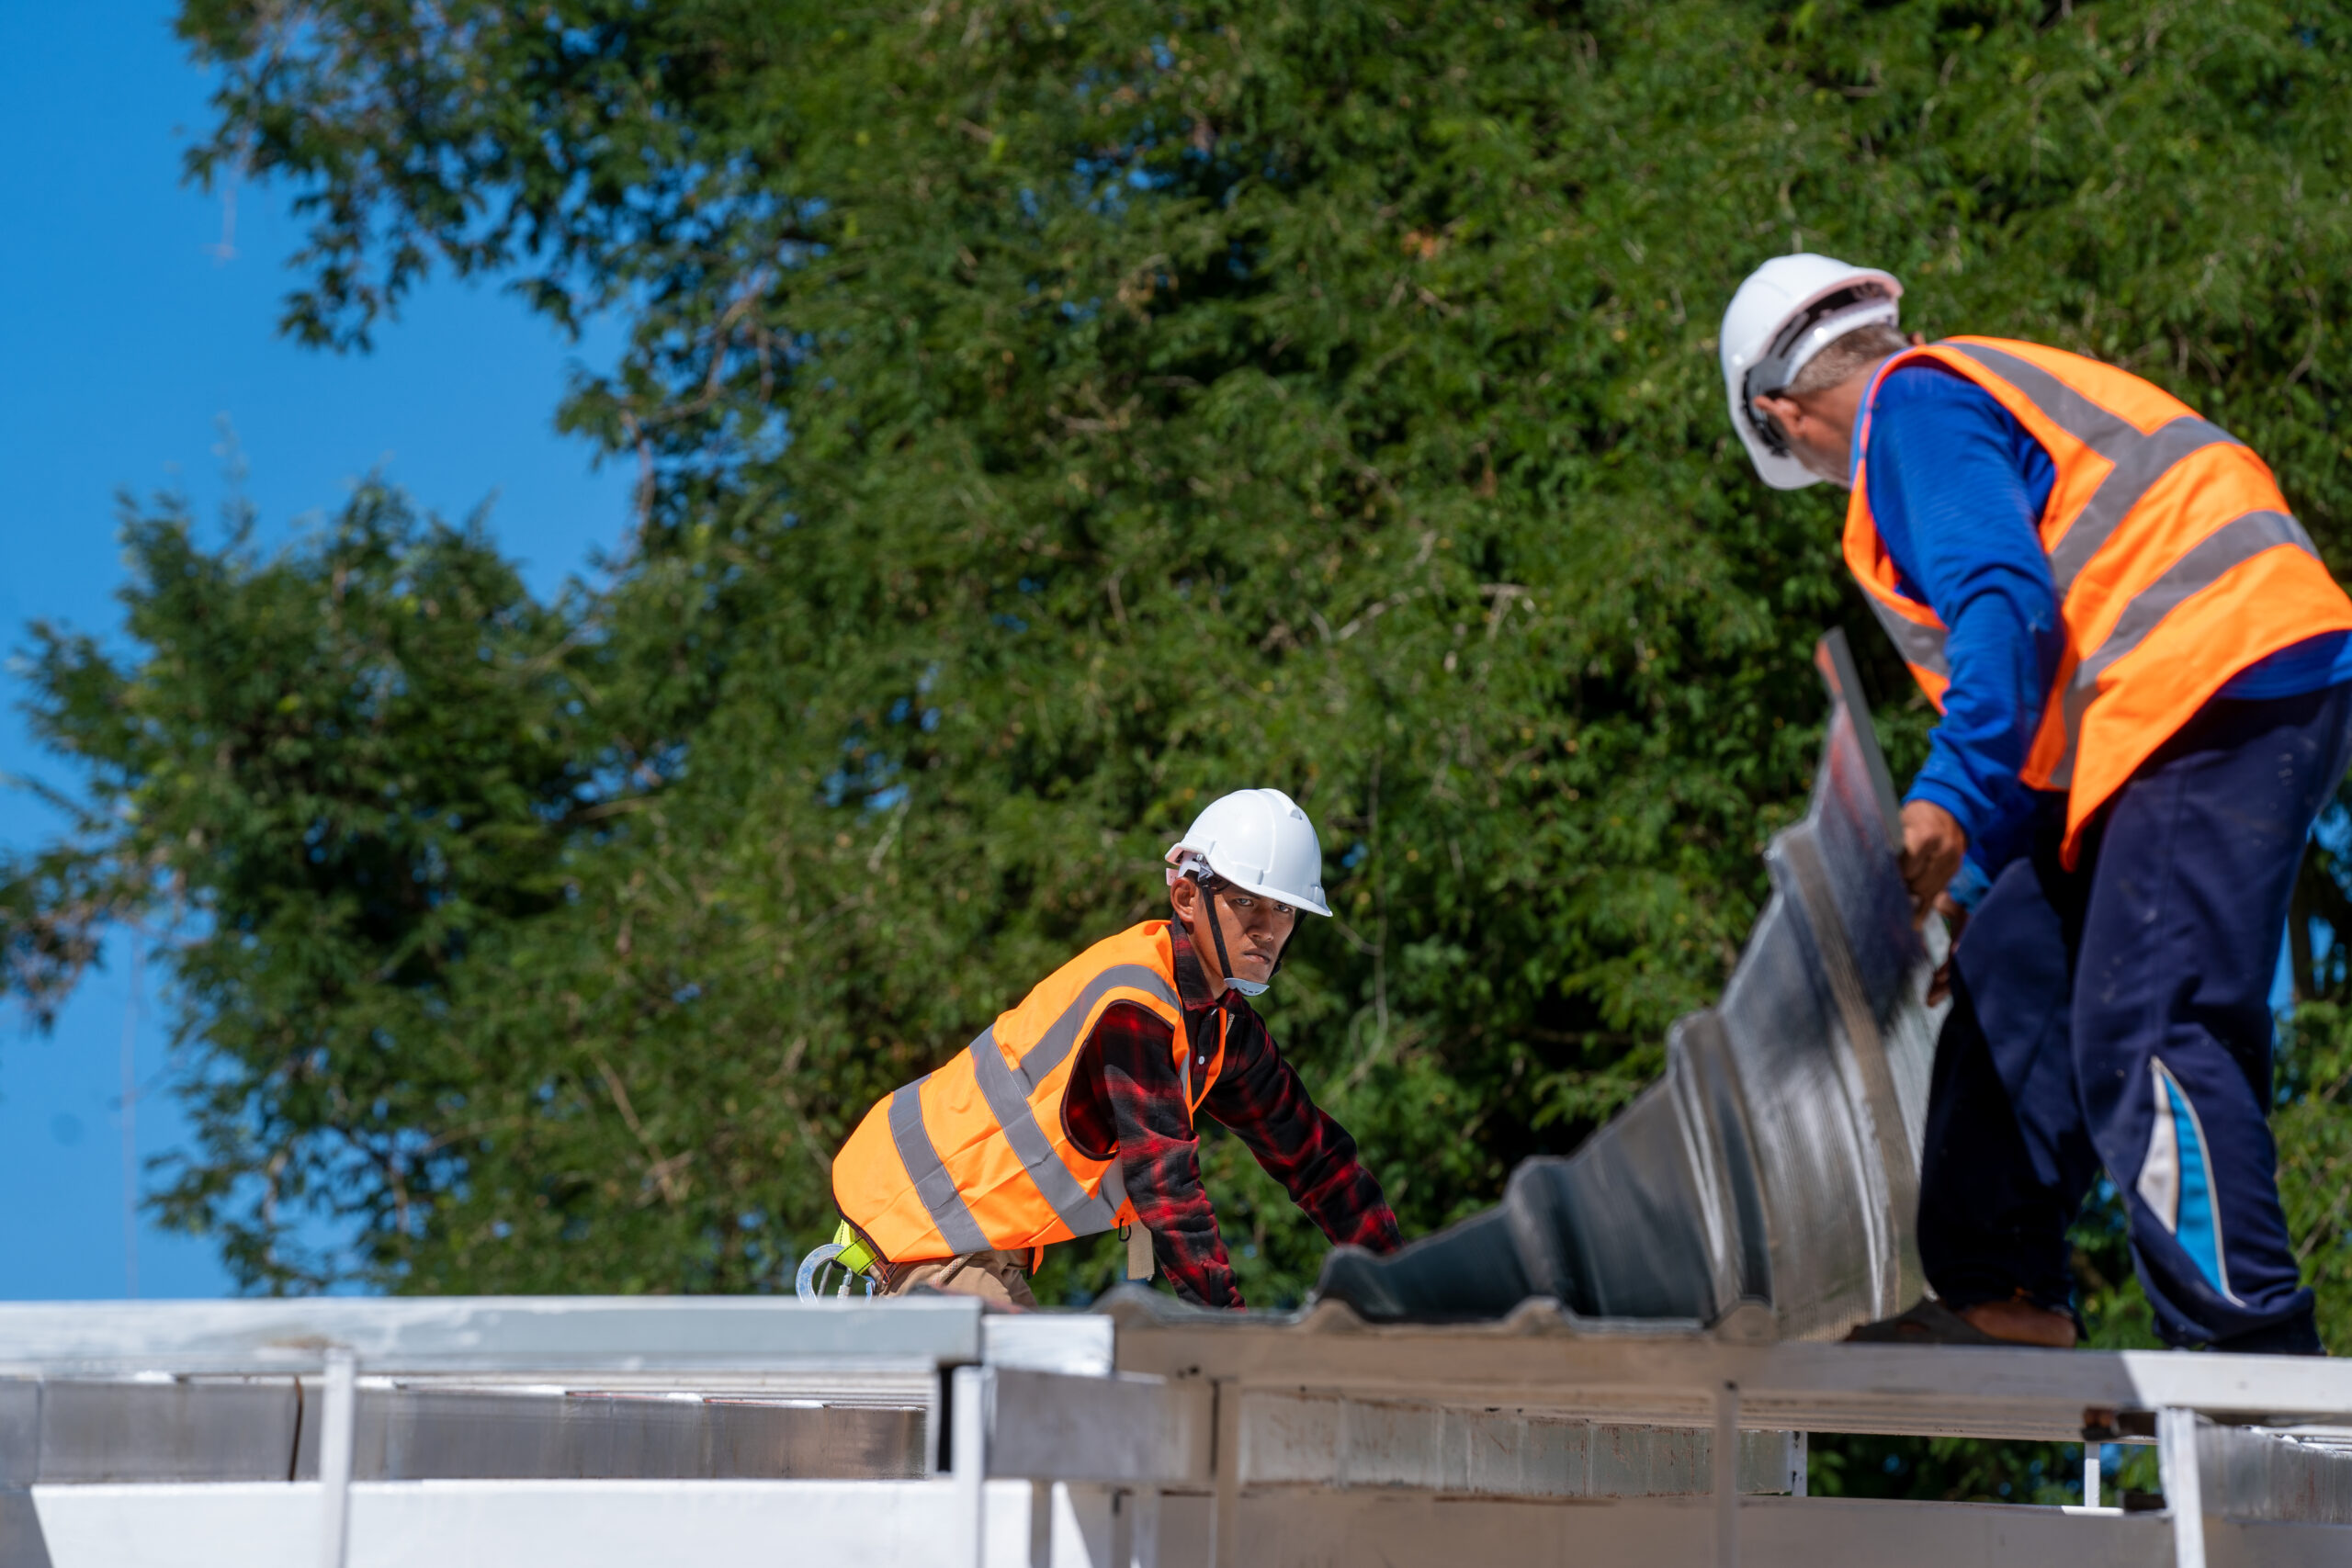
point(979, 1155)
point(2176, 561)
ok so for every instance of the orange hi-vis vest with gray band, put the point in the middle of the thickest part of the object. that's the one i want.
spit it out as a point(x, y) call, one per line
point(2176, 561)
point(979, 1155)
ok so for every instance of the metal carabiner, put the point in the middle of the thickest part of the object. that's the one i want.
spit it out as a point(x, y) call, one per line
point(809, 1286)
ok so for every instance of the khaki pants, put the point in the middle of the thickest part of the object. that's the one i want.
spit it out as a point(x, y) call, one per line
point(993, 1276)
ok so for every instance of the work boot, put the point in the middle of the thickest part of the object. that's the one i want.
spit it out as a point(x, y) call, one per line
point(2019, 1322)
point(1987, 1323)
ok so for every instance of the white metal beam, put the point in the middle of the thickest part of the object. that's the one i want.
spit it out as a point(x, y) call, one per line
point(2184, 1494)
point(495, 1524)
point(963, 1544)
point(338, 1426)
point(512, 1334)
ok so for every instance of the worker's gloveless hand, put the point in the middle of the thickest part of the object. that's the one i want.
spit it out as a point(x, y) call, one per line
point(1933, 845)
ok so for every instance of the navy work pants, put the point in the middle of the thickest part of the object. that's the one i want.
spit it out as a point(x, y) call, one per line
point(2117, 1015)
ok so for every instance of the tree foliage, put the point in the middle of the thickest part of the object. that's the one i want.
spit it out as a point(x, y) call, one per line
point(1047, 416)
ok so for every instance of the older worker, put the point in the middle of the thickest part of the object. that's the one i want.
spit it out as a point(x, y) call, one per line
point(2141, 666)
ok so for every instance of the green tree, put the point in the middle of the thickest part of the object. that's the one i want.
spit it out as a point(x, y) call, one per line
point(337, 775)
point(1047, 415)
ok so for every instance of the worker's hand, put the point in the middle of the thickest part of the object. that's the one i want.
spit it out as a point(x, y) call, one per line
point(1933, 845)
point(1955, 921)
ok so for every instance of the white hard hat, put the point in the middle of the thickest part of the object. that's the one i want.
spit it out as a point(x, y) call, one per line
point(1790, 310)
point(1259, 840)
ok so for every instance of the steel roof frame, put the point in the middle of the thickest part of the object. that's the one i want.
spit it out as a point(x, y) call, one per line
point(1144, 1401)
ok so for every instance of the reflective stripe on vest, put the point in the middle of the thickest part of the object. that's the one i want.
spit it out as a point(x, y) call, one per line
point(1085, 1214)
point(1021, 1183)
point(948, 1210)
point(1920, 643)
point(2240, 539)
point(2107, 530)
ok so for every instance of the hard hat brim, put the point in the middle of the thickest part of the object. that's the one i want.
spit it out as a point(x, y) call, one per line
point(1296, 901)
point(1176, 852)
point(1779, 471)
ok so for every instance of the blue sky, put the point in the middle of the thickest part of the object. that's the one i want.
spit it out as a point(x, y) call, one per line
point(130, 336)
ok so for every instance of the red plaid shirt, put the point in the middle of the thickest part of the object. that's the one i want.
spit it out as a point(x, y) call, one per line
point(1125, 1095)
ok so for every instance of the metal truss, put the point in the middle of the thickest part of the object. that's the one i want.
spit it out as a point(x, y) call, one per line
point(905, 1432)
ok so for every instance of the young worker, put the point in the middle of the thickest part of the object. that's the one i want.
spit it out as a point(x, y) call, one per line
point(1073, 1113)
point(2140, 662)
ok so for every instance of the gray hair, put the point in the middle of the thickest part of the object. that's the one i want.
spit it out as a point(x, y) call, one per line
point(1846, 357)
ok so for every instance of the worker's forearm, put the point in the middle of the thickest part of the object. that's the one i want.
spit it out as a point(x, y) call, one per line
point(2000, 642)
point(1265, 1103)
point(1159, 1156)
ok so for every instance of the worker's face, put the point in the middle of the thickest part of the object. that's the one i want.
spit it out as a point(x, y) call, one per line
point(1255, 929)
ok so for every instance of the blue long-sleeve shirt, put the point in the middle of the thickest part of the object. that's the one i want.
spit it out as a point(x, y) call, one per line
point(1957, 487)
